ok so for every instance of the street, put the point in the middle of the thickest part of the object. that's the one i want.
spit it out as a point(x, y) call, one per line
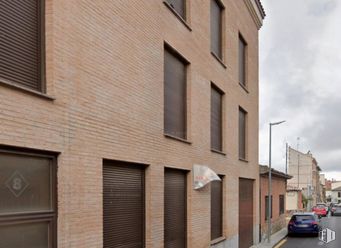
point(333, 223)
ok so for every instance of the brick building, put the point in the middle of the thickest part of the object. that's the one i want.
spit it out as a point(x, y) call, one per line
point(278, 200)
point(105, 106)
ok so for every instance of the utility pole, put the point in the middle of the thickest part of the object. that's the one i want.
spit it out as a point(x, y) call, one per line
point(270, 182)
point(298, 163)
point(286, 158)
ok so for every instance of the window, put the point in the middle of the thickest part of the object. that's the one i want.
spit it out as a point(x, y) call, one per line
point(175, 198)
point(28, 200)
point(21, 46)
point(216, 28)
point(339, 194)
point(179, 6)
point(174, 94)
point(281, 204)
point(216, 119)
point(242, 60)
point(123, 204)
point(216, 209)
point(267, 207)
point(242, 133)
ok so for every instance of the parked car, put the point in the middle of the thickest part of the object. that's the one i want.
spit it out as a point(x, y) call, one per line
point(304, 223)
point(336, 210)
point(320, 209)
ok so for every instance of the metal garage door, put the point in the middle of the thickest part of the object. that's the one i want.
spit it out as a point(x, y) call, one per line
point(123, 205)
point(175, 209)
point(245, 213)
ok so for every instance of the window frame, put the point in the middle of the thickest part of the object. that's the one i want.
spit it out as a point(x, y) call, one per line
point(222, 209)
point(185, 18)
point(41, 74)
point(186, 63)
point(245, 137)
point(49, 216)
point(186, 194)
point(267, 206)
point(244, 74)
point(220, 56)
point(281, 204)
point(215, 88)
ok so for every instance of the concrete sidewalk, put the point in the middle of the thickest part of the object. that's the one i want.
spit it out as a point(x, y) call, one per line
point(275, 239)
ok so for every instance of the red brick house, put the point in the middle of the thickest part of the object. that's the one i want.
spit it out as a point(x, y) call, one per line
point(279, 187)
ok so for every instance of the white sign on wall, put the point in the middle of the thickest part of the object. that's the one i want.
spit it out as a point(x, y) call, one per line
point(203, 175)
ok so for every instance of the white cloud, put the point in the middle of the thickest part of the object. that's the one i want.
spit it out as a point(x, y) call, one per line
point(300, 80)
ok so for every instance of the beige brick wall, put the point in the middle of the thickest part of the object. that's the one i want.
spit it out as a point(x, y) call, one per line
point(104, 64)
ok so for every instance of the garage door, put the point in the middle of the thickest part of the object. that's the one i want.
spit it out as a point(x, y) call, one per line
point(245, 213)
point(123, 205)
point(175, 209)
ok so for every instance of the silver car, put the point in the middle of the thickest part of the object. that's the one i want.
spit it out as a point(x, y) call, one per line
point(336, 210)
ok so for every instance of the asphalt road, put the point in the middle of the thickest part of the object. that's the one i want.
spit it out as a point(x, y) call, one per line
point(331, 222)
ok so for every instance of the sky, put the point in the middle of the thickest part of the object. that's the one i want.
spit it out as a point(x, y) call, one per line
point(300, 81)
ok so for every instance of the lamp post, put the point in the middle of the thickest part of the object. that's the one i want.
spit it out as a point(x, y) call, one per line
point(269, 189)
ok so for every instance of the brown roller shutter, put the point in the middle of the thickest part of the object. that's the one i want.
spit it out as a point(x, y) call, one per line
point(242, 133)
point(175, 209)
point(123, 205)
point(174, 95)
point(216, 28)
point(216, 119)
point(216, 209)
point(245, 213)
point(179, 6)
point(242, 61)
point(21, 43)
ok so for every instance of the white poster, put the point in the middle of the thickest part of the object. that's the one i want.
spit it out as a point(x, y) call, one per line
point(203, 175)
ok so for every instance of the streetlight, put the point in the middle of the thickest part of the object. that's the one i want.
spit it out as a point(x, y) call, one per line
point(269, 189)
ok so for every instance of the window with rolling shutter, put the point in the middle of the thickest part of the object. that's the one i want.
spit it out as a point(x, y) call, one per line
point(242, 133)
point(246, 214)
point(216, 209)
point(242, 60)
point(281, 204)
point(174, 94)
point(175, 198)
point(267, 207)
point(216, 28)
point(216, 119)
point(22, 43)
point(123, 204)
point(179, 6)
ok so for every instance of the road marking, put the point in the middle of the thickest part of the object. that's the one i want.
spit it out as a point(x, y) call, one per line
point(281, 243)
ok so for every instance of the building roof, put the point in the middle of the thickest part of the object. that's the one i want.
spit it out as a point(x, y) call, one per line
point(337, 189)
point(264, 171)
point(292, 188)
point(261, 8)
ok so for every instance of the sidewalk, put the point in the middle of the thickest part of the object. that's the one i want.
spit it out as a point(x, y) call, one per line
point(275, 239)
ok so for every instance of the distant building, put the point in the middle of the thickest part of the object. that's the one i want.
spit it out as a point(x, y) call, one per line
point(306, 175)
point(294, 199)
point(279, 186)
point(336, 195)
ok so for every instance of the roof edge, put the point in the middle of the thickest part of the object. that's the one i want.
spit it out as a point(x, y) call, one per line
point(257, 11)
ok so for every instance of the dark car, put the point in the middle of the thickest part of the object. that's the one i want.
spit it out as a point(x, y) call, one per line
point(336, 210)
point(304, 223)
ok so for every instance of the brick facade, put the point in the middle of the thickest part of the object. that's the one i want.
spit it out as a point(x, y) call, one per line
point(104, 69)
point(279, 187)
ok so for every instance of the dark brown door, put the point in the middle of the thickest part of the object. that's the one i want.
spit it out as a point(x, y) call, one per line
point(245, 213)
point(175, 209)
point(123, 205)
